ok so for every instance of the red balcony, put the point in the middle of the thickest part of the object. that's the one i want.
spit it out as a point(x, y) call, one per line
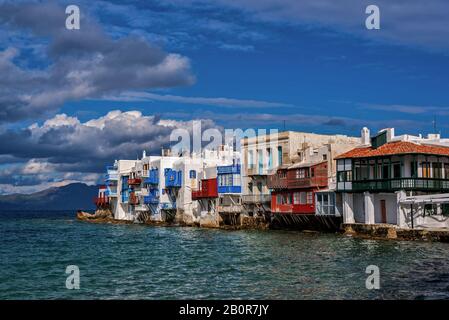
point(208, 189)
point(289, 207)
point(134, 182)
point(101, 201)
point(295, 178)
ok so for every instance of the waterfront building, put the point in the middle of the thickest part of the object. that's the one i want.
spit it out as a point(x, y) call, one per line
point(306, 188)
point(229, 182)
point(160, 186)
point(290, 152)
point(119, 190)
point(216, 179)
point(219, 194)
point(396, 180)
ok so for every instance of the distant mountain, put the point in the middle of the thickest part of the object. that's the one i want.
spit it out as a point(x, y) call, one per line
point(70, 197)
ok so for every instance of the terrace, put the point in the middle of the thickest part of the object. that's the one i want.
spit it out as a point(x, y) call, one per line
point(299, 176)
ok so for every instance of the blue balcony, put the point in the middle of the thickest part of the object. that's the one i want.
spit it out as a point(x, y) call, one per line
point(231, 169)
point(153, 177)
point(229, 189)
point(173, 178)
point(150, 199)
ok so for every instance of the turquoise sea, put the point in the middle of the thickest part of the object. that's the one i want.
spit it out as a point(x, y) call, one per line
point(142, 262)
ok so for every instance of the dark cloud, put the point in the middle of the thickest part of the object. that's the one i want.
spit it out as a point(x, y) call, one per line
point(66, 149)
point(335, 122)
point(79, 64)
point(413, 22)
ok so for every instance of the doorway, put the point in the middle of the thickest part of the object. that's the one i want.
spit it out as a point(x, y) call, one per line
point(383, 212)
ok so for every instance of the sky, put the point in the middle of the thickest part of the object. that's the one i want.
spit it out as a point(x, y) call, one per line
point(72, 101)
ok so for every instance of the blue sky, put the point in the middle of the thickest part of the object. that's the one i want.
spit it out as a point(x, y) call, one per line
point(246, 63)
point(317, 70)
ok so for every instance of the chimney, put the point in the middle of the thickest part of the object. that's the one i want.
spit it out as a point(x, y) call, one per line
point(144, 154)
point(365, 136)
point(390, 134)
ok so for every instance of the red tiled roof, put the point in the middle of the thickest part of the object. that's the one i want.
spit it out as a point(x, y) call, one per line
point(392, 148)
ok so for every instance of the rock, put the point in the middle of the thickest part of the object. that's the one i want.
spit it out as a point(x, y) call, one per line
point(100, 214)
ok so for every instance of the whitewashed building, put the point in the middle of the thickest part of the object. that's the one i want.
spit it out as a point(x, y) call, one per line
point(397, 180)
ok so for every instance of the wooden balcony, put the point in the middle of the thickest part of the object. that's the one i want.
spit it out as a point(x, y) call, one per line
point(208, 189)
point(395, 184)
point(277, 181)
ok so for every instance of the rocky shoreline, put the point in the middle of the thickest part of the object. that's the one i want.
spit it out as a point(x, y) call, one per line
point(391, 232)
point(357, 230)
point(106, 216)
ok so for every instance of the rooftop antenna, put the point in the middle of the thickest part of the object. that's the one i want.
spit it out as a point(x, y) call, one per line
point(284, 124)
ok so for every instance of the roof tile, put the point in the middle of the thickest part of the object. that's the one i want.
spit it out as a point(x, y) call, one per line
point(393, 148)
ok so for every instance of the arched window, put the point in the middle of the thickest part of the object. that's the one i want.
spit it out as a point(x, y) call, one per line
point(192, 174)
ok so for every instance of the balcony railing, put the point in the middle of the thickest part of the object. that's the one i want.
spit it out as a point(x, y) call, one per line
point(208, 190)
point(135, 181)
point(423, 184)
point(256, 198)
point(234, 169)
point(279, 182)
point(229, 189)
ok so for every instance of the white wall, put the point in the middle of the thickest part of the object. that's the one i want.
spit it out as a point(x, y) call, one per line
point(390, 206)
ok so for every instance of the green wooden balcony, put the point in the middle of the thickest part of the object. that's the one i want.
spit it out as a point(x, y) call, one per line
point(394, 184)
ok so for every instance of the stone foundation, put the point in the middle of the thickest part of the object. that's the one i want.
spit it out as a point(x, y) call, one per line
point(389, 231)
point(254, 222)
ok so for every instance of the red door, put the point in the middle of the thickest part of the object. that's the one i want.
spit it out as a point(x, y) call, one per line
point(383, 211)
